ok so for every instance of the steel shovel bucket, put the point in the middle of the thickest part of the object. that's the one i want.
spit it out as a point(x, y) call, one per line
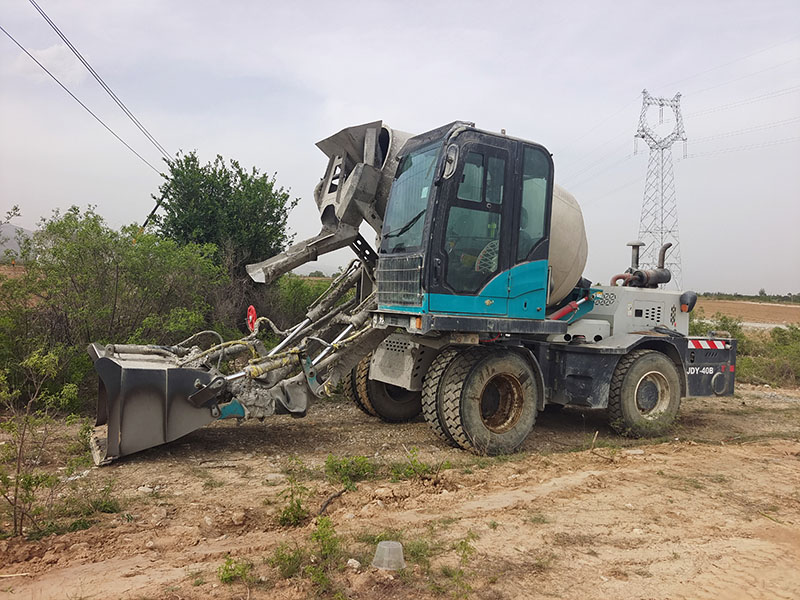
point(142, 400)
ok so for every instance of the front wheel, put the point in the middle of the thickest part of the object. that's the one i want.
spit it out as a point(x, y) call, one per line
point(388, 402)
point(645, 394)
point(489, 402)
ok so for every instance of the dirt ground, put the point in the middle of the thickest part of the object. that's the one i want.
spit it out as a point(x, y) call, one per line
point(752, 312)
point(712, 511)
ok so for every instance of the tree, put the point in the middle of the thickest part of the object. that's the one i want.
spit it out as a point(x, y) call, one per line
point(243, 213)
point(85, 282)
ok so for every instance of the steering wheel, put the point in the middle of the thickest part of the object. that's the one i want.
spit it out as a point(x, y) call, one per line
point(487, 258)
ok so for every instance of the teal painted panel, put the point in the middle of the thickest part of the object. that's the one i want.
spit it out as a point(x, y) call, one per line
point(528, 290)
point(414, 310)
point(492, 300)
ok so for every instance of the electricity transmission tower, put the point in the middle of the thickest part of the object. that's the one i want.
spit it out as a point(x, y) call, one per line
point(659, 222)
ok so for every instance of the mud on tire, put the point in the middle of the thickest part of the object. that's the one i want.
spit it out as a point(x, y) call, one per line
point(645, 394)
point(388, 402)
point(489, 401)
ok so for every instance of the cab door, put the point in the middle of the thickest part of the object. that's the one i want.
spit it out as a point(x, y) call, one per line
point(529, 274)
point(472, 245)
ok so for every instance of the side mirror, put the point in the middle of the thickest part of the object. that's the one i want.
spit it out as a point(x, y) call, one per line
point(450, 161)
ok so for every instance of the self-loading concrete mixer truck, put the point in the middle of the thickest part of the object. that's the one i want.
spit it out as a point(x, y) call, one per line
point(471, 310)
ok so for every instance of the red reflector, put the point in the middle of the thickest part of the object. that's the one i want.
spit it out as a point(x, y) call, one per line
point(251, 317)
point(731, 369)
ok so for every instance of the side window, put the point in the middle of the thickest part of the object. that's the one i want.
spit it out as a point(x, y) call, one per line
point(473, 232)
point(535, 173)
point(483, 179)
point(471, 186)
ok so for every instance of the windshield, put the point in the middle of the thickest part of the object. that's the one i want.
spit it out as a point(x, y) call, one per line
point(408, 202)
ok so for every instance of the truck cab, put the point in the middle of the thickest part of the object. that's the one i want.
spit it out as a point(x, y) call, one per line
point(466, 234)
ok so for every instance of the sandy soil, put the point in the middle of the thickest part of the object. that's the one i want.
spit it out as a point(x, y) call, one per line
point(713, 511)
point(752, 312)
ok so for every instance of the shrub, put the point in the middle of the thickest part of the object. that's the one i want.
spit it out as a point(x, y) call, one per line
point(348, 469)
point(232, 570)
point(295, 513)
point(287, 561)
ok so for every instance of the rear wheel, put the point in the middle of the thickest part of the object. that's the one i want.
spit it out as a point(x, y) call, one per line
point(488, 402)
point(645, 394)
point(390, 403)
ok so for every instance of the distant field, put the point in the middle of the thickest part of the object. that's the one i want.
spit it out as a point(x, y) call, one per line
point(752, 312)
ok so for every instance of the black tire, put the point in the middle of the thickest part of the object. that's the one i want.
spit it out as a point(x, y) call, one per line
point(391, 403)
point(360, 392)
point(349, 390)
point(645, 394)
point(430, 386)
point(488, 401)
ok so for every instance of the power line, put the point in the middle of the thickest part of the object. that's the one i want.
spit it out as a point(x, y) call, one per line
point(766, 96)
point(743, 148)
point(74, 97)
point(741, 58)
point(735, 79)
point(745, 130)
point(102, 83)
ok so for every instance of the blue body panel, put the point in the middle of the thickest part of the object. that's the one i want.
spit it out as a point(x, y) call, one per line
point(527, 290)
point(520, 293)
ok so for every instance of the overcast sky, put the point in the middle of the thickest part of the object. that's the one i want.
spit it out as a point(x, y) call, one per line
point(261, 82)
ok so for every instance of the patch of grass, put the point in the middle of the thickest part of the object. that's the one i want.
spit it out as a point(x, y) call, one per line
point(464, 547)
point(235, 569)
point(328, 543)
point(492, 525)
point(103, 502)
point(319, 578)
point(419, 551)
point(415, 468)
point(541, 562)
point(296, 467)
point(197, 578)
point(288, 561)
point(212, 483)
point(347, 470)
point(458, 579)
point(294, 513)
point(382, 536)
point(80, 525)
point(536, 519)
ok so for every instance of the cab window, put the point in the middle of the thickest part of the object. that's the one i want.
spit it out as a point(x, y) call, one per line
point(532, 221)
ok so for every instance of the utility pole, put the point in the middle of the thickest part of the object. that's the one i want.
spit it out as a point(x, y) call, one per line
point(659, 221)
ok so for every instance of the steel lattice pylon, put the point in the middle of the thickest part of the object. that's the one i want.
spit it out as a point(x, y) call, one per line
point(659, 221)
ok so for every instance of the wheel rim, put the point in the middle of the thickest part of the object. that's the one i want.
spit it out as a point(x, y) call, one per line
point(652, 394)
point(501, 403)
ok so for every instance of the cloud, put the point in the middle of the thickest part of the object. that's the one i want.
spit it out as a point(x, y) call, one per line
point(58, 59)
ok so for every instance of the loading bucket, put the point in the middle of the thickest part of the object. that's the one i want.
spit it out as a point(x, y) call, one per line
point(142, 402)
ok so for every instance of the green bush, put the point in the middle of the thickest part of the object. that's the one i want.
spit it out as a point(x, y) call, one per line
point(232, 570)
point(287, 561)
point(328, 543)
point(347, 470)
point(771, 357)
point(85, 282)
point(294, 513)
